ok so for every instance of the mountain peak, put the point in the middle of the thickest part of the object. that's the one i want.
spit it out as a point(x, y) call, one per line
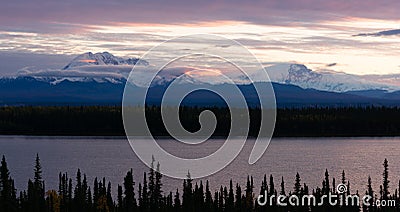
point(297, 66)
point(299, 73)
point(104, 58)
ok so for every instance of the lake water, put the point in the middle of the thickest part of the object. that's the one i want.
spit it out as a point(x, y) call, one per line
point(113, 157)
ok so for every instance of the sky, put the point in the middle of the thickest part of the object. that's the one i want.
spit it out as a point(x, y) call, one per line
point(356, 37)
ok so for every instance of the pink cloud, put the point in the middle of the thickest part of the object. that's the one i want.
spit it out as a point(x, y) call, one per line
point(38, 14)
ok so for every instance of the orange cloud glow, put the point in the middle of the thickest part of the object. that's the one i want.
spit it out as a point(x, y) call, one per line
point(203, 73)
point(87, 61)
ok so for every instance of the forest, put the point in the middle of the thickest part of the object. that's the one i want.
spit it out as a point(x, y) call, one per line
point(77, 194)
point(291, 122)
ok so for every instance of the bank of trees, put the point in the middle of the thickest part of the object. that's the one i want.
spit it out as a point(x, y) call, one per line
point(107, 120)
point(77, 194)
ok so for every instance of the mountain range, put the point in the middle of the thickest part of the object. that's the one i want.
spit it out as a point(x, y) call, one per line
point(104, 58)
point(100, 79)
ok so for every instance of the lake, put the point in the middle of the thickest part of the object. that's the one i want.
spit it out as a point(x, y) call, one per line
point(113, 157)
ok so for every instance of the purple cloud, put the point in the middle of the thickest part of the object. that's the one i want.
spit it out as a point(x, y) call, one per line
point(46, 14)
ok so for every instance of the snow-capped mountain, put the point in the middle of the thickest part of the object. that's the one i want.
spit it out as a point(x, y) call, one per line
point(300, 75)
point(107, 68)
point(100, 79)
point(103, 58)
point(88, 67)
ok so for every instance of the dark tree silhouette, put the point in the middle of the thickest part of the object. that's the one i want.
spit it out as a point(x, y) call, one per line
point(385, 185)
point(106, 120)
point(129, 200)
point(8, 201)
point(193, 198)
point(282, 187)
point(297, 185)
point(36, 189)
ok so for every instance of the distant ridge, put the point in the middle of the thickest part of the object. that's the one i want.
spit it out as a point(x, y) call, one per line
point(30, 91)
point(99, 78)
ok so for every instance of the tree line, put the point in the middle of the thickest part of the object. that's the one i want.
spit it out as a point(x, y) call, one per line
point(75, 194)
point(291, 122)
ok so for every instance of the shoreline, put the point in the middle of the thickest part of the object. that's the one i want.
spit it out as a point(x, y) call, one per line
point(169, 137)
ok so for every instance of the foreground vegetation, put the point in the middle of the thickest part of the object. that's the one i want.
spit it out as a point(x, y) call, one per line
point(77, 195)
point(106, 120)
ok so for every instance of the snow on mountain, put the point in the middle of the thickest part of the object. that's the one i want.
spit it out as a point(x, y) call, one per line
point(105, 67)
point(300, 75)
point(104, 58)
point(88, 67)
point(177, 75)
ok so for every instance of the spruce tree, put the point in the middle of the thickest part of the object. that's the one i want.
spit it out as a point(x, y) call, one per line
point(36, 191)
point(84, 194)
point(385, 185)
point(282, 187)
point(208, 198)
point(231, 198)
point(370, 192)
point(264, 190)
point(221, 199)
point(140, 193)
point(70, 195)
point(119, 198)
point(177, 201)
point(8, 200)
point(216, 201)
point(129, 201)
point(249, 193)
point(343, 178)
point(145, 195)
point(187, 196)
point(110, 202)
point(200, 197)
point(297, 185)
point(238, 196)
point(348, 188)
point(157, 195)
point(89, 201)
point(152, 179)
point(271, 185)
point(96, 192)
point(327, 184)
point(38, 172)
point(225, 194)
point(79, 193)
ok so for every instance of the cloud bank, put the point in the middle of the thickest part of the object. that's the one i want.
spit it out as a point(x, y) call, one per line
point(381, 33)
point(55, 13)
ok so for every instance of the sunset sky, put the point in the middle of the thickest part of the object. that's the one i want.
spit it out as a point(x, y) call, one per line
point(357, 37)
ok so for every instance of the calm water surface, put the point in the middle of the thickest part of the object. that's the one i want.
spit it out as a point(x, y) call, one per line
point(113, 157)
